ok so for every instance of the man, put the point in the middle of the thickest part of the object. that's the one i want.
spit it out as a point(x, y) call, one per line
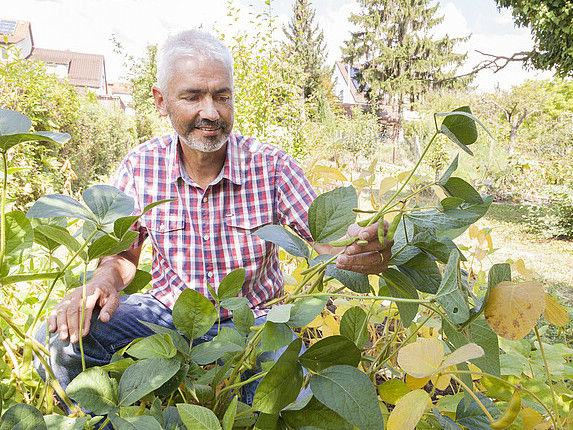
point(224, 187)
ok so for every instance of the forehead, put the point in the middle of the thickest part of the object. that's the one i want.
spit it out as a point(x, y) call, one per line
point(199, 74)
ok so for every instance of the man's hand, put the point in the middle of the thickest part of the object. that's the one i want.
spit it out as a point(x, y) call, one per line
point(66, 315)
point(369, 258)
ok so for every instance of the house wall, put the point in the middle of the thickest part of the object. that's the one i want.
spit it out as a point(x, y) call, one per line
point(341, 89)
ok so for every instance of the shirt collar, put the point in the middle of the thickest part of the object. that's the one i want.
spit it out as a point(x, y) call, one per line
point(233, 169)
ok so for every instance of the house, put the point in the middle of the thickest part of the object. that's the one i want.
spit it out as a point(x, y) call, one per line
point(15, 39)
point(85, 71)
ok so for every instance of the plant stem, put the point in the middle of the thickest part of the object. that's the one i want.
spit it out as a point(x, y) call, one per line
point(423, 302)
point(547, 374)
point(471, 393)
point(3, 209)
point(59, 275)
point(245, 382)
point(82, 316)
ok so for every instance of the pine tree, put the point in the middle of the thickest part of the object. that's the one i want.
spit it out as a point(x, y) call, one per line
point(306, 47)
point(395, 51)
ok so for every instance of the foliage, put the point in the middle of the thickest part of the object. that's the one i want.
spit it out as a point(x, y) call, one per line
point(551, 22)
point(396, 52)
point(554, 218)
point(306, 48)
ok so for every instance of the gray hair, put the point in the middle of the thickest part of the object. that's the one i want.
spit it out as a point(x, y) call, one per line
point(193, 44)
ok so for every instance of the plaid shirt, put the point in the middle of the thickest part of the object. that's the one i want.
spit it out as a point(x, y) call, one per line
point(205, 234)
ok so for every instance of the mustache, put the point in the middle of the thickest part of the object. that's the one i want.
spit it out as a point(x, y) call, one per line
point(208, 123)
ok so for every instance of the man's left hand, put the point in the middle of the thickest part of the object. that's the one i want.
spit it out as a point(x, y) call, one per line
point(369, 258)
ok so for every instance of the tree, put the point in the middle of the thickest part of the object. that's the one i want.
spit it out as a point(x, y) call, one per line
point(551, 22)
point(397, 52)
point(306, 47)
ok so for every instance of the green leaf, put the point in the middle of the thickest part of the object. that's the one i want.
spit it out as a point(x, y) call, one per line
point(179, 341)
point(143, 422)
point(401, 250)
point(94, 390)
point(400, 286)
point(306, 310)
point(209, 352)
point(315, 415)
point(423, 272)
point(19, 236)
point(62, 236)
point(41, 239)
point(450, 294)
point(330, 351)
point(282, 383)
point(230, 413)
point(139, 281)
point(393, 390)
point(357, 282)
point(440, 248)
point(231, 285)
point(243, 319)
point(22, 417)
point(56, 205)
point(193, 314)
point(107, 203)
point(153, 346)
point(173, 384)
point(499, 272)
point(350, 393)
point(472, 416)
point(275, 336)
point(460, 127)
point(234, 303)
point(331, 213)
point(171, 419)
point(60, 422)
point(12, 122)
point(445, 422)
point(197, 417)
point(449, 171)
point(450, 203)
point(457, 187)
point(145, 376)
point(354, 327)
point(279, 313)
point(122, 224)
point(109, 245)
point(480, 333)
point(280, 236)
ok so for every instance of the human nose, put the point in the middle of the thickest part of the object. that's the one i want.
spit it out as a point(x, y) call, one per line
point(209, 110)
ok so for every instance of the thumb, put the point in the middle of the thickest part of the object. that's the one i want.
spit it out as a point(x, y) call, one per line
point(110, 304)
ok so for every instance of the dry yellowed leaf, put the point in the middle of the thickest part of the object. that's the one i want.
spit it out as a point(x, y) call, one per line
point(514, 308)
point(555, 313)
point(530, 418)
point(329, 172)
point(421, 358)
point(463, 353)
point(489, 241)
point(415, 383)
point(387, 184)
point(441, 382)
point(330, 326)
point(404, 175)
point(360, 183)
point(473, 231)
point(439, 192)
point(408, 411)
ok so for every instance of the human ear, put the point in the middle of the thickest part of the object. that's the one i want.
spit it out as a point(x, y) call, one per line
point(159, 99)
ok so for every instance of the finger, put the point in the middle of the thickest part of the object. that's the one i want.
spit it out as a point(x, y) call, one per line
point(373, 260)
point(368, 234)
point(90, 305)
point(52, 322)
point(72, 315)
point(109, 306)
point(62, 323)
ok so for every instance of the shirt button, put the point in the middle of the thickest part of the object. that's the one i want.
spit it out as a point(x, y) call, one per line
point(162, 227)
point(210, 274)
point(205, 199)
point(206, 237)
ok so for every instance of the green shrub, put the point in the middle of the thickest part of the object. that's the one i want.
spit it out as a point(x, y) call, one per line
point(554, 219)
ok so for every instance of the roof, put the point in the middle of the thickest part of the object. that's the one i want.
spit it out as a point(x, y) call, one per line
point(84, 70)
point(14, 31)
point(358, 96)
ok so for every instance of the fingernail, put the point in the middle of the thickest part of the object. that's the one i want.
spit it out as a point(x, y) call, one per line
point(364, 236)
point(105, 316)
point(73, 338)
point(342, 259)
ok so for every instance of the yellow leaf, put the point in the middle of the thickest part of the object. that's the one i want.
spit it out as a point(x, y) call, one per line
point(317, 322)
point(330, 326)
point(441, 382)
point(489, 241)
point(519, 265)
point(408, 411)
point(329, 172)
point(554, 312)
point(473, 231)
point(372, 167)
point(415, 383)
point(404, 175)
point(530, 418)
point(480, 254)
point(360, 183)
point(421, 358)
point(439, 192)
point(514, 308)
point(393, 390)
point(463, 353)
point(386, 185)
point(481, 237)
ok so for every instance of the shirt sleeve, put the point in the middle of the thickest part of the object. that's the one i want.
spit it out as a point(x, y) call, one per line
point(124, 180)
point(294, 196)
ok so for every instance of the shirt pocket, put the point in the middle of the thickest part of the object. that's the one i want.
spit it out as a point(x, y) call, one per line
point(247, 247)
point(166, 224)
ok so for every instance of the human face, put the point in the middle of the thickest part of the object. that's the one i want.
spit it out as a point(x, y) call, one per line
point(199, 103)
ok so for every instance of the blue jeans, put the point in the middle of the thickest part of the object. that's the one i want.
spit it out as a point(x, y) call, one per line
point(104, 339)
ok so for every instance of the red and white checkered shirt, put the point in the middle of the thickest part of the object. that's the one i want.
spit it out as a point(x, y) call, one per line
point(205, 234)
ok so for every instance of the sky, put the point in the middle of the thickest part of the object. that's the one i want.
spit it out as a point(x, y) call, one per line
point(88, 26)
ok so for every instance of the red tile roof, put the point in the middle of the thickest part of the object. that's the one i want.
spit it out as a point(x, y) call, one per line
point(84, 70)
point(20, 31)
point(358, 97)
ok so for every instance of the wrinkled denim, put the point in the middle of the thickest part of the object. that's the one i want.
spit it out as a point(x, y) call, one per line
point(104, 339)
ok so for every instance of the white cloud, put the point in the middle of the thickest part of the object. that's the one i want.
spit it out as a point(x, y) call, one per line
point(454, 23)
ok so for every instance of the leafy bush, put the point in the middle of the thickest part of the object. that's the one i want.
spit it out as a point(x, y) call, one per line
point(553, 219)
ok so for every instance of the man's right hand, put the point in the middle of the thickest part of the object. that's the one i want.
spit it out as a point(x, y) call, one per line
point(66, 316)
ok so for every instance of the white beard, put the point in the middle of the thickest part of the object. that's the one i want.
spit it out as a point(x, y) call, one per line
point(204, 146)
